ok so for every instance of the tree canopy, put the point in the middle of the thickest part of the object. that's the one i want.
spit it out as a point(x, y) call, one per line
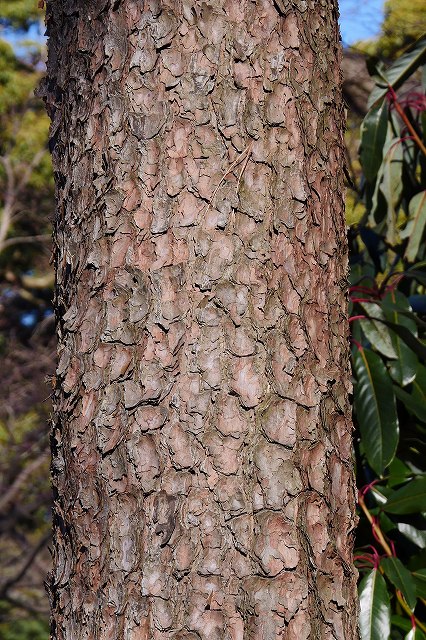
point(404, 22)
point(20, 14)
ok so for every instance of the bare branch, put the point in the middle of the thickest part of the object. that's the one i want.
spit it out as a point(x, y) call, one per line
point(22, 478)
point(11, 195)
point(23, 604)
point(28, 171)
point(28, 562)
point(25, 240)
point(9, 199)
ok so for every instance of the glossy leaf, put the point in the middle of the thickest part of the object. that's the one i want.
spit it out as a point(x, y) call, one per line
point(374, 618)
point(403, 369)
point(401, 578)
point(415, 225)
point(394, 303)
point(412, 404)
point(375, 409)
point(409, 499)
point(417, 271)
point(407, 314)
point(419, 577)
point(398, 472)
point(373, 136)
point(405, 624)
point(391, 185)
point(401, 69)
point(419, 385)
point(378, 493)
point(417, 562)
point(375, 330)
point(401, 623)
point(403, 332)
point(416, 345)
point(386, 524)
point(410, 151)
point(379, 203)
point(416, 536)
point(417, 275)
point(415, 634)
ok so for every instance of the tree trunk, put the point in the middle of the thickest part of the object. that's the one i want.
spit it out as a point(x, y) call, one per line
point(202, 463)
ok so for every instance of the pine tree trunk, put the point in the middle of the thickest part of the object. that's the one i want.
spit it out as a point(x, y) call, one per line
point(202, 465)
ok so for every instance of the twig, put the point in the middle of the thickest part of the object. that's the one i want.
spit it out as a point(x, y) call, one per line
point(407, 123)
point(375, 527)
point(245, 154)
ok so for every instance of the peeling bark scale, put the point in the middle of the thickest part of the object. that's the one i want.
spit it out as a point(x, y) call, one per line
point(202, 468)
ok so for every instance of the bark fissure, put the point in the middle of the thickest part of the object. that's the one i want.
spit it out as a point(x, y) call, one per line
point(201, 451)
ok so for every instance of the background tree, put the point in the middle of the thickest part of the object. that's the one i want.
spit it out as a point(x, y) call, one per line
point(26, 340)
point(403, 23)
point(201, 453)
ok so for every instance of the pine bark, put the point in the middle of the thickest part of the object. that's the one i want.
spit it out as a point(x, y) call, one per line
point(202, 469)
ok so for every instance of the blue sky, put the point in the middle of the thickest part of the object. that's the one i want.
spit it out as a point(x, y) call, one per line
point(360, 19)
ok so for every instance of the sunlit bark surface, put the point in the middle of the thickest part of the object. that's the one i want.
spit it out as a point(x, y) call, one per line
point(201, 448)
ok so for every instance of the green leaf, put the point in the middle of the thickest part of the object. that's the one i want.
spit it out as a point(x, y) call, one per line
point(401, 578)
point(398, 472)
point(399, 71)
point(405, 625)
point(378, 494)
point(391, 185)
point(409, 499)
point(374, 619)
point(416, 274)
point(418, 265)
point(419, 385)
point(375, 330)
point(401, 623)
point(373, 136)
point(394, 303)
point(403, 369)
point(416, 536)
point(375, 409)
point(415, 634)
point(407, 314)
point(415, 225)
point(386, 524)
point(412, 404)
point(416, 345)
point(417, 562)
point(419, 576)
point(387, 188)
point(403, 332)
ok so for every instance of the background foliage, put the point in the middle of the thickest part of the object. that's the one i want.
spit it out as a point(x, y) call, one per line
point(404, 22)
point(20, 14)
point(26, 333)
point(388, 309)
